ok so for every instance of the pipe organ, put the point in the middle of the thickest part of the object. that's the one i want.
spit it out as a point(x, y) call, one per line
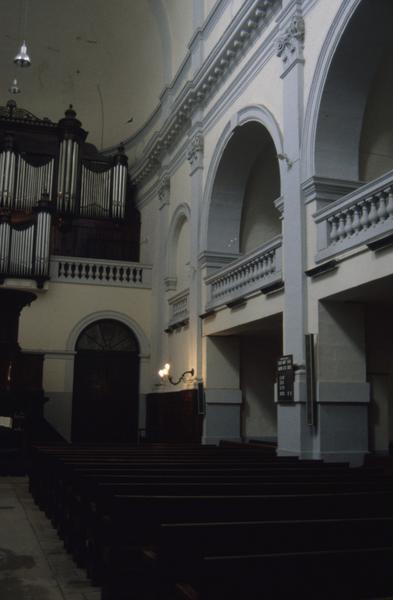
point(25, 245)
point(52, 183)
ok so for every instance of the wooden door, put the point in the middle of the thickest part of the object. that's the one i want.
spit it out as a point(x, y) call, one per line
point(105, 400)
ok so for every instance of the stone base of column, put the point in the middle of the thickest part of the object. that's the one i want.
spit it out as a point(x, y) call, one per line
point(222, 416)
point(340, 434)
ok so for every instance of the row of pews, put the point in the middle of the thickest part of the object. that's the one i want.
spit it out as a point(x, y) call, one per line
point(206, 522)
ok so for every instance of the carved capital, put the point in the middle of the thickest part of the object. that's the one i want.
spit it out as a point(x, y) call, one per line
point(195, 151)
point(290, 43)
point(164, 189)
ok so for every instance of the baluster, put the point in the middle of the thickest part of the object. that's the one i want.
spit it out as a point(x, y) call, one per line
point(389, 203)
point(356, 225)
point(341, 226)
point(332, 229)
point(382, 212)
point(364, 217)
point(373, 214)
point(348, 228)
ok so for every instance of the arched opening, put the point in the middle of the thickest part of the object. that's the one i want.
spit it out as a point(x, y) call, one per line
point(243, 222)
point(354, 127)
point(106, 383)
point(242, 215)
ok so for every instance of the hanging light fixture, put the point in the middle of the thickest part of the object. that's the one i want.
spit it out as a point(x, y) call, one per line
point(14, 87)
point(22, 59)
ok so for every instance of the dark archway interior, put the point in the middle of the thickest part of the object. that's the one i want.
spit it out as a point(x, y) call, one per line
point(106, 373)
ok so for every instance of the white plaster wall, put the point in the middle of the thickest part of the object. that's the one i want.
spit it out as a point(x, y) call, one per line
point(258, 371)
point(180, 186)
point(317, 21)
point(376, 145)
point(260, 219)
point(257, 307)
point(180, 356)
point(148, 238)
point(359, 268)
point(181, 25)
point(47, 324)
point(259, 91)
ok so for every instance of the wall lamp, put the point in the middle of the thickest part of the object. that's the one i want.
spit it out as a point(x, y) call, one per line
point(164, 373)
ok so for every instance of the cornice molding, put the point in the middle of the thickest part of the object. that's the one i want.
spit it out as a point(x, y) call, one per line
point(240, 35)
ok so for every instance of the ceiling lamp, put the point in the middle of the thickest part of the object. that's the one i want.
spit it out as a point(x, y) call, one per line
point(14, 87)
point(22, 59)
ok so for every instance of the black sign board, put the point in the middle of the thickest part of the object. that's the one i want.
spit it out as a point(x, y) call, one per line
point(285, 378)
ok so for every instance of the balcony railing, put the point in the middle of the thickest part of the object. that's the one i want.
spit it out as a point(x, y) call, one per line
point(179, 310)
point(65, 269)
point(358, 218)
point(246, 275)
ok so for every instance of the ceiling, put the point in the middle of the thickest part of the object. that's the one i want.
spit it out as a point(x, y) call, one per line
point(106, 57)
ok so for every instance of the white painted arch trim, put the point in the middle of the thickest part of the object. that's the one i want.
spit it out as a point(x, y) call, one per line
point(179, 217)
point(144, 346)
point(254, 113)
point(337, 28)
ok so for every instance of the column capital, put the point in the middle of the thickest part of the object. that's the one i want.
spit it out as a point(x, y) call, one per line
point(195, 152)
point(164, 188)
point(289, 45)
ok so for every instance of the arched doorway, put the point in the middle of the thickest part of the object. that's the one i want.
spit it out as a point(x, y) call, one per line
point(106, 383)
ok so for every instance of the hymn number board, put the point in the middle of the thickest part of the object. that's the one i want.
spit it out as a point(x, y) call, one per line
point(285, 378)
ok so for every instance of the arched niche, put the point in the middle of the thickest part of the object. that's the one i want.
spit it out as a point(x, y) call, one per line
point(248, 141)
point(178, 248)
point(351, 56)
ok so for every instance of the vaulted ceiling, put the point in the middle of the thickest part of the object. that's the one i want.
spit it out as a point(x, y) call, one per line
point(109, 58)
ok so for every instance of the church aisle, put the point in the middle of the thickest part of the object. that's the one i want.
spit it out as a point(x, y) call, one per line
point(33, 562)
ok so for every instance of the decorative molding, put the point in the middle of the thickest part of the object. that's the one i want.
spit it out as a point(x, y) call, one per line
point(195, 152)
point(326, 190)
point(164, 189)
point(170, 283)
point(290, 43)
point(241, 34)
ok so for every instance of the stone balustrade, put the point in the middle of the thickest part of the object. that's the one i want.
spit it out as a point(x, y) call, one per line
point(179, 309)
point(92, 271)
point(358, 218)
point(246, 275)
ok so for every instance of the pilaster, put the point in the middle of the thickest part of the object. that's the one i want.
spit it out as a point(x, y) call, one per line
point(294, 436)
point(195, 158)
point(160, 347)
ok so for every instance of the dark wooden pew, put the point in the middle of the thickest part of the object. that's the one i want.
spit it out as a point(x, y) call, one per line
point(339, 574)
point(135, 521)
point(181, 548)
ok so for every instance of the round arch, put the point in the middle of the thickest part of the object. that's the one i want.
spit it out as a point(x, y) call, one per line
point(144, 346)
point(181, 215)
point(333, 122)
point(258, 115)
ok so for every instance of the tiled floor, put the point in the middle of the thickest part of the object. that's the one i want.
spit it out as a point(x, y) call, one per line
point(33, 562)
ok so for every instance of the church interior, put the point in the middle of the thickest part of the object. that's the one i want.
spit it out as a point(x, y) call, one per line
point(196, 294)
